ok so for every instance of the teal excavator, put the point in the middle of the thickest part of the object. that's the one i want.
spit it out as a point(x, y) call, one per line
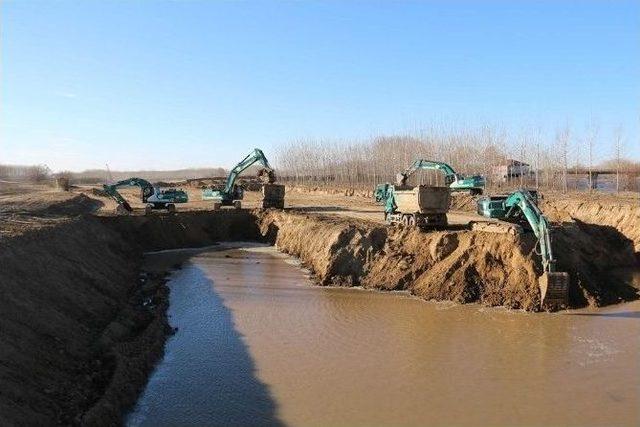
point(154, 197)
point(456, 182)
point(231, 194)
point(521, 207)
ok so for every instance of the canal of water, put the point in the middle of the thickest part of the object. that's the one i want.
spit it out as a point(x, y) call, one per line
point(258, 344)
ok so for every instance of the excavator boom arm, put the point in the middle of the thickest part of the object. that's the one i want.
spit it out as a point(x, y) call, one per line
point(523, 201)
point(112, 190)
point(256, 156)
point(553, 284)
point(449, 173)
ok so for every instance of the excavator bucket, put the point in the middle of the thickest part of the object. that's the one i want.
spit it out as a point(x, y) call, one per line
point(123, 208)
point(267, 176)
point(554, 290)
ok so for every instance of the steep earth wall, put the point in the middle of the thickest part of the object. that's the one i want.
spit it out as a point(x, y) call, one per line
point(68, 304)
point(188, 229)
point(463, 266)
point(624, 217)
point(623, 214)
point(460, 266)
point(80, 329)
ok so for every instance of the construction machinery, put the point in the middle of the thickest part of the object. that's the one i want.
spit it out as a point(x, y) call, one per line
point(456, 182)
point(521, 208)
point(154, 197)
point(421, 206)
point(232, 194)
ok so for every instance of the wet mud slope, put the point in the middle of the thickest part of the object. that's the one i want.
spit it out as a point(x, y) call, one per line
point(77, 324)
point(80, 326)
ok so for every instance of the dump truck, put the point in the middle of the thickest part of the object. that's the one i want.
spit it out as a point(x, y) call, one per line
point(421, 206)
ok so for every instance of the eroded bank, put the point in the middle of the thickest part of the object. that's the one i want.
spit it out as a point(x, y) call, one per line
point(81, 328)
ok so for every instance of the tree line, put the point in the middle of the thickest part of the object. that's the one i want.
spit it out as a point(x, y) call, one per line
point(562, 162)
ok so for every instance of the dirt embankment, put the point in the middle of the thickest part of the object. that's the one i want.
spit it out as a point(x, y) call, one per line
point(620, 213)
point(458, 266)
point(623, 216)
point(462, 266)
point(79, 329)
point(186, 230)
point(328, 190)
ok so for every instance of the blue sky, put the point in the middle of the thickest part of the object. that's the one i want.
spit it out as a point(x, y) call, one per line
point(162, 85)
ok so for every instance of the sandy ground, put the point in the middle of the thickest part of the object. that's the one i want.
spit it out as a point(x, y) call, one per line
point(355, 206)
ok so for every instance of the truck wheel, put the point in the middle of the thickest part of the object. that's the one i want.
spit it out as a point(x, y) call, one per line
point(171, 208)
point(148, 209)
point(405, 220)
point(412, 221)
point(237, 204)
point(217, 206)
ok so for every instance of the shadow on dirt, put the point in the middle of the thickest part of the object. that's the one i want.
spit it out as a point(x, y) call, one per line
point(622, 315)
point(590, 253)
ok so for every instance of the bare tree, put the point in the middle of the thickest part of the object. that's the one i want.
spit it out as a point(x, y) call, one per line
point(593, 129)
point(618, 148)
point(364, 163)
point(563, 137)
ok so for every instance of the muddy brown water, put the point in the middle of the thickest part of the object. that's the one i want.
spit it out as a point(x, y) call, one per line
point(258, 344)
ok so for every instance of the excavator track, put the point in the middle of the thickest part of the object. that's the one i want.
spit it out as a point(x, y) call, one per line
point(499, 227)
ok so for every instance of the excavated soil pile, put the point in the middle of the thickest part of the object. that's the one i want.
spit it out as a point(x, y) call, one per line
point(77, 336)
point(459, 266)
point(49, 203)
point(463, 202)
point(623, 214)
point(462, 266)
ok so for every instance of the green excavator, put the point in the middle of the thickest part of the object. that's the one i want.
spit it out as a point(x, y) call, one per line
point(456, 182)
point(154, 197)
point(521, 208)
point(232, 194)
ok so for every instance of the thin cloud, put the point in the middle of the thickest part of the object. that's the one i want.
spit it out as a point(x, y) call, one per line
point(64, 94)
